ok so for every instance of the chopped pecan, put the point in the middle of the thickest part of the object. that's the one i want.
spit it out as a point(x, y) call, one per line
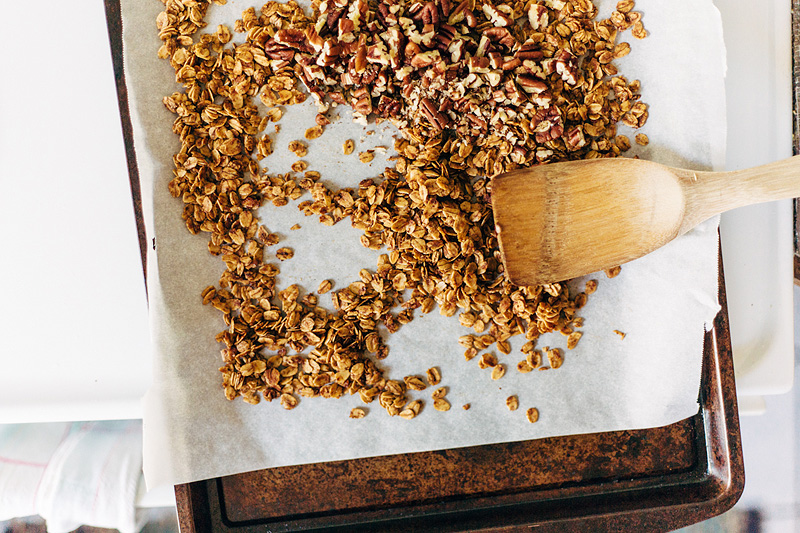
point(478, 64)
point(574, 139)
point(500, 36)
point(538, 16)
point(428, 14)
point(463, 12)
point(437, 119)
point(388, 107)
point(424, 59)
point(496, 17)
point(529, 50)
point(566, 66)
point(547, 125)
point(531, 84)
point(293, 38)
point(361, 101)
point(275, 50)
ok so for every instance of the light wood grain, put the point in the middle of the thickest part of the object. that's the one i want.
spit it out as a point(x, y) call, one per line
point(564, 220)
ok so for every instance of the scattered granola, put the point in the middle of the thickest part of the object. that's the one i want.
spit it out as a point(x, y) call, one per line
point(325, 286)
point(411, 410)
point(498, 371)
point(555, 357)
point(488, 360)
point(284, 253)
point(591, 286)
point(440, 404)
point(414, 383)
point(357, 412)
point(434, 376)
point(642, 139)
point(288, 401)
point(573, 338)
point(298, 148)
point(620, 334)
point(299, 166)
point(475, 89)
point(512, 402)
point(348, 147)
point(366, 157)
point(532, 414)
point(314, 132)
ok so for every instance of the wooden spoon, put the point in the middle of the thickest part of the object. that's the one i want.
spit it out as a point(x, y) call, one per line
point(563, 220)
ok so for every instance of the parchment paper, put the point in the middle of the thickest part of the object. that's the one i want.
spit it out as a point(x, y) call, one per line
point(662, 302)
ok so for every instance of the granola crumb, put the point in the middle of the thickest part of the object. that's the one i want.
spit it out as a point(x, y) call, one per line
point(498, 372)
point(532, 415)
point(591, 286)
point(314, 132)
point(572, 339)
point(440, 404)
point(325, 286)
point(357, 412)
point(284, 253)
point(366, 157)
point(620, 334)
point(512, 402)
point(298, 148)
point(299, 166)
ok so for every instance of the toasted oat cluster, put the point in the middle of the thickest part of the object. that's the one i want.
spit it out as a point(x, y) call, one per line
point(475, 89)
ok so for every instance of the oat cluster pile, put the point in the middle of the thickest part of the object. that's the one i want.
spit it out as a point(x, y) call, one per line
point(475, 89)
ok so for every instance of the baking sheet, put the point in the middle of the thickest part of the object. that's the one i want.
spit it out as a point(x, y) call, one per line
point(662, 302)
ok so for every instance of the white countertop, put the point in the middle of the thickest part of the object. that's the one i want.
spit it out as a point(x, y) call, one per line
point(757, 241)
point(75, 338)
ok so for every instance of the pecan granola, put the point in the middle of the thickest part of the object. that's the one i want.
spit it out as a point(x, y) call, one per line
point(475, 89)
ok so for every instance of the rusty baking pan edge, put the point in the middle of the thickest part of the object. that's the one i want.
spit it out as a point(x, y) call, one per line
point(648, 503)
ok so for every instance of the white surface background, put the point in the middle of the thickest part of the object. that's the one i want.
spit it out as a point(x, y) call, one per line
point(73, 326)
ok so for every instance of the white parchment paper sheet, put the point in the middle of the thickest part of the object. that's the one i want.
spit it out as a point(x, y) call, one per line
point(662, 302)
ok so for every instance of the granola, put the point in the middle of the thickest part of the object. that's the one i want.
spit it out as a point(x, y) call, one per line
point(475, 89)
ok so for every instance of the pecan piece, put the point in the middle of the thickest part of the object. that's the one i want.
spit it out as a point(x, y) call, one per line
point(293, 38)
point(500, 36)
point(574, 138)
point(531, 84)
point(275, 50)
point(437, 119)
point(538, 16)
point(496, 17)
point(424, 59)
point(388, 107)
point(547, 125)
point(566, 67)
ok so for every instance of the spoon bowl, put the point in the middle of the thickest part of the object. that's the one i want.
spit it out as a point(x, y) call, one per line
point(563, 220)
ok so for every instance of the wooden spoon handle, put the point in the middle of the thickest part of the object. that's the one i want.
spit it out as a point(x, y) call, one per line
point(711, 193)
